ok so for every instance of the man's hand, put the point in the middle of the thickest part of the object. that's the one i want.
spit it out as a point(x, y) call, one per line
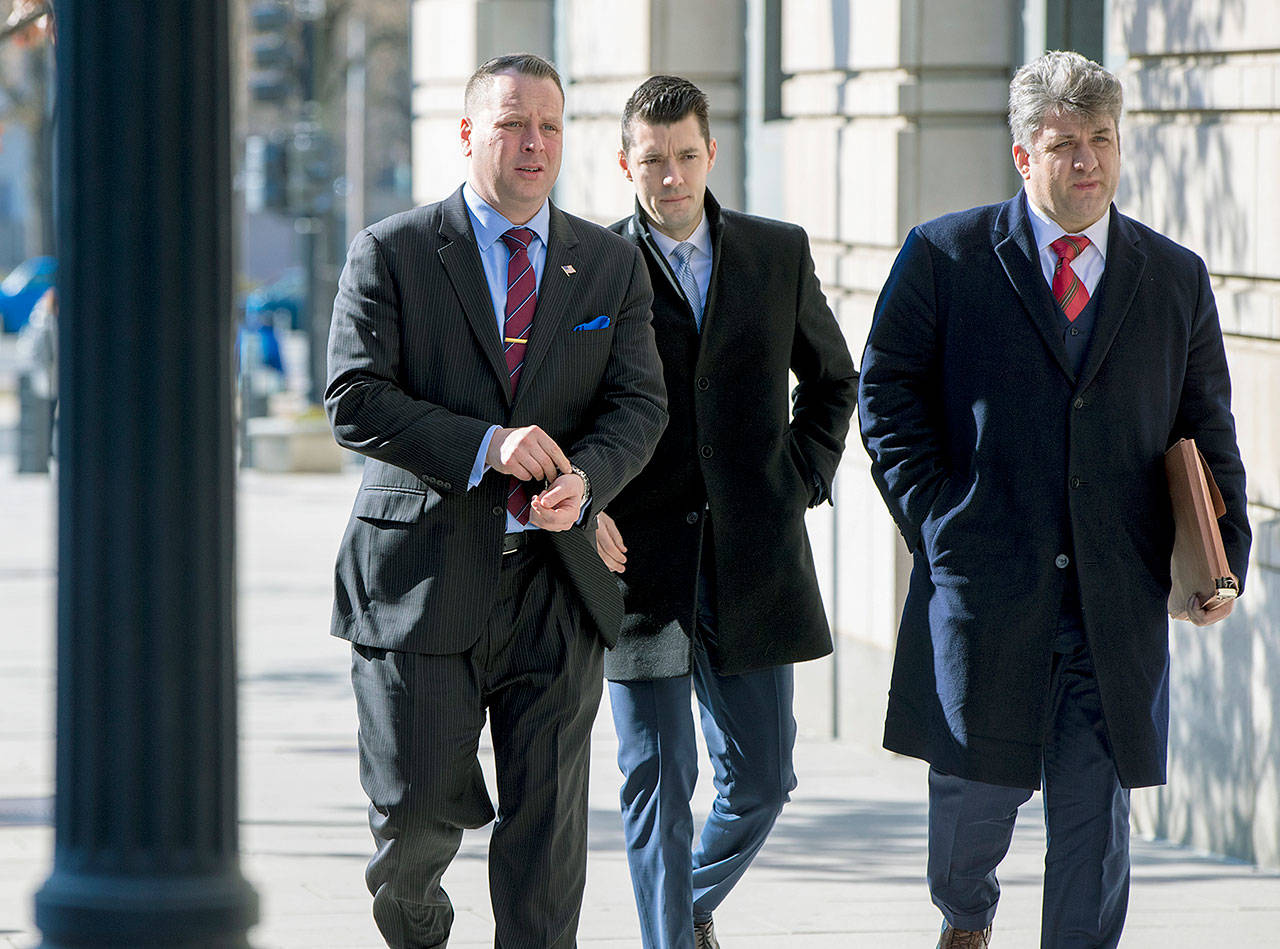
point(609, 543)
point(558, 507)
point(1202, 617)
point(530, 454)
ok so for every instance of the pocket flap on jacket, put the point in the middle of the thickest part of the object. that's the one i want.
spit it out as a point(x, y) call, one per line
point(376, 503)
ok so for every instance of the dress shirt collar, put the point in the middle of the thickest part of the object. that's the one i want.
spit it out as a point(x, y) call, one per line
point(700, 239)
point(1045, 230)
point(489, 225)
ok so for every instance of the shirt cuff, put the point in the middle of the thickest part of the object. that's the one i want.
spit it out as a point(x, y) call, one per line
point(479, 468)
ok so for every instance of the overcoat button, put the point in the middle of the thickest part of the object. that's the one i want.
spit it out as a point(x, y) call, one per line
point(704, 384)
point(1061, 561)
point(1079, 403)
point(1075, 482)
point(691, 517)
point(707, 451)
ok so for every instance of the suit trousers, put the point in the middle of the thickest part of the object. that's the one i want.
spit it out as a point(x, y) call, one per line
point(538, 674)
point(1086, 878)
point(750, 733)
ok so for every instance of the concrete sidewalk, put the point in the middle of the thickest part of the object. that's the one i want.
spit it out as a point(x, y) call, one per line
point(843, 868)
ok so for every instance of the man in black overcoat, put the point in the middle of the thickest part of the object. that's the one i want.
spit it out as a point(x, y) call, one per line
point(1027, 367)
point(709, 540)
point(468, 581)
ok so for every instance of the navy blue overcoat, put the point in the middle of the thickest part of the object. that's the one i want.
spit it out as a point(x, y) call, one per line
point(1001, 465)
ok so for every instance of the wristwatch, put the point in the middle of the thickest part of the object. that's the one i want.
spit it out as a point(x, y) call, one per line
point(586, 484)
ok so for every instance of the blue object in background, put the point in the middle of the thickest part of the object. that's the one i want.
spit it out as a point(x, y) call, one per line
point(270, 347)
point(278, 303)
point(25, 284)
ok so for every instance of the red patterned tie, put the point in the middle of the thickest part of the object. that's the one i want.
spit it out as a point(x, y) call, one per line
point(1067, 288)
point(522, 299)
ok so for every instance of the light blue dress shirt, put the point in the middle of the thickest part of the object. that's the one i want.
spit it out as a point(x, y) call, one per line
point(489, 226)
point(699, 262)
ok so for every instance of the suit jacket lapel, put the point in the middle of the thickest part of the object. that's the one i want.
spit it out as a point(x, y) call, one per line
point(1125, 263)
point(461, 260)
point(556, 288)
point(1015, 246)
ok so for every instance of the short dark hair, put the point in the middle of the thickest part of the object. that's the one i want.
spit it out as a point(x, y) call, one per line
point(523, 64)
point(665, 100)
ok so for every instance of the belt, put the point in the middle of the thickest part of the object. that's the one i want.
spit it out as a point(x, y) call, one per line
point(518, 540)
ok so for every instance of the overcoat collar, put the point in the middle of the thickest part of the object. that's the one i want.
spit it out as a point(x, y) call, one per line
point(460, 257)
point(1015, 247)
point(637, 230)
point(1125, 263)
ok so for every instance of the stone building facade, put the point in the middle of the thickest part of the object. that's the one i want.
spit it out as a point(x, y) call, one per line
point(859, 119)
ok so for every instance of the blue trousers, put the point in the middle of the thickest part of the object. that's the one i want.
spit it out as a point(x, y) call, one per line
point(1086, 877)
point(750, 733)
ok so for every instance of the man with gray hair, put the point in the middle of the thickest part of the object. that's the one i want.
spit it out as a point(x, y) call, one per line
point(1027, 367)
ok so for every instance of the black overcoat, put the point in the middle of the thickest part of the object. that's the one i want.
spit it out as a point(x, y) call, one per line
point(737, 445)
point(417, 376)
point(1001, 467)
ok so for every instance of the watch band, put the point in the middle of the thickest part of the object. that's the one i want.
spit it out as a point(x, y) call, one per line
point(586, 484)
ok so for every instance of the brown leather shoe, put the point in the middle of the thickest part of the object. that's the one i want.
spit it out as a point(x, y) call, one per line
point(964, 938)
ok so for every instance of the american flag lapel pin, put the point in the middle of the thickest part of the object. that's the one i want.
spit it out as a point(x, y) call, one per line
point(568, 270)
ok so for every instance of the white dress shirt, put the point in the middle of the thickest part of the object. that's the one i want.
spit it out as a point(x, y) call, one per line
point(1088, 266)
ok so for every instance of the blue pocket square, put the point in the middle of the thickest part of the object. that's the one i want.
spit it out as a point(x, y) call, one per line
point(599, 323)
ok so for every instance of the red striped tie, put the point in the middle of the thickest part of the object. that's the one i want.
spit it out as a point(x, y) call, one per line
point(1067, 288)
point(522, 299)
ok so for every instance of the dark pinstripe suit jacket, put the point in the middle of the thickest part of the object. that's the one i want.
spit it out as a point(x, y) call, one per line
point(416, 377)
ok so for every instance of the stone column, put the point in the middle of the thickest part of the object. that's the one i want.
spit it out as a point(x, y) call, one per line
point(146, 848)
point(607, 48)
point(865, 118)
point(450, 38)
point(1201, 127)
point(603, 50)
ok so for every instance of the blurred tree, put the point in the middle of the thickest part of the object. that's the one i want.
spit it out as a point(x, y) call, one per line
point(27, 83)
point(329, 81)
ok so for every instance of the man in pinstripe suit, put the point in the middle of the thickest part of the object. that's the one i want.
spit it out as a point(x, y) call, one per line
point(467, 581)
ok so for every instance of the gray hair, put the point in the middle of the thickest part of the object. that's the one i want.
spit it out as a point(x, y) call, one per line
point(1060, 82)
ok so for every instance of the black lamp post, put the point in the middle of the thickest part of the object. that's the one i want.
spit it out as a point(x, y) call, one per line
point(146, 844)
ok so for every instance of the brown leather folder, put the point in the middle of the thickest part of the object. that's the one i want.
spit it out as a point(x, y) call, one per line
point(1199, 562)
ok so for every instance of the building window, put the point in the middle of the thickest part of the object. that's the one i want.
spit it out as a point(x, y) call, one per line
point(772, 74)
point(1065, 24)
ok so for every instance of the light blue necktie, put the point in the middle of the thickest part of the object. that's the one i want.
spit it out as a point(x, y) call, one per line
point(688, 283)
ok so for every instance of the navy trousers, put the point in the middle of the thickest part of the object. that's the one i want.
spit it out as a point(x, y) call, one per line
point(538, 674)
point(750, 733)
point(1086, 878)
